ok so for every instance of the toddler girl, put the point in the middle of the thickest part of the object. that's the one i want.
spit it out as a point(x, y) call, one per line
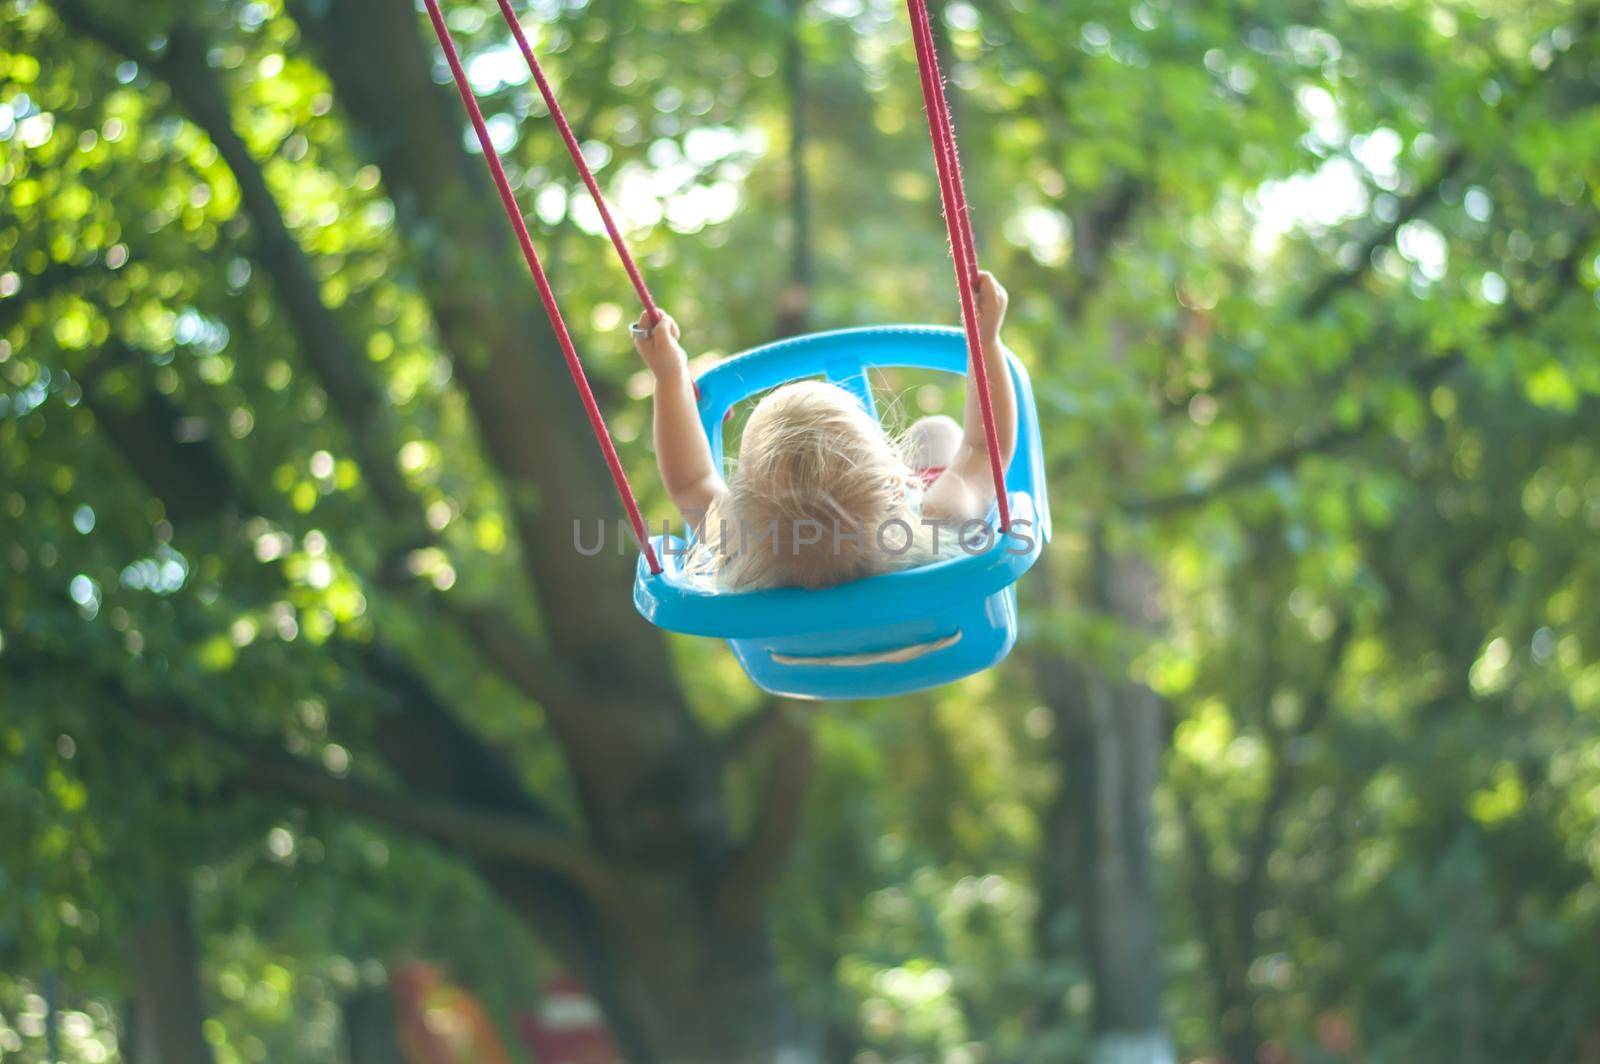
point(821, 496)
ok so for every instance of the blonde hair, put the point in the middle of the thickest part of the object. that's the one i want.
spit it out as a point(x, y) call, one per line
point(820, 496)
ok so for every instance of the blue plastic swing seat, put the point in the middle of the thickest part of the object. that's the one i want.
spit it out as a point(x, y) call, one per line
point(885, 635)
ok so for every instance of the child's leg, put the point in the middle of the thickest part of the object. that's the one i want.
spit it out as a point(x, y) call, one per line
point(931, 442)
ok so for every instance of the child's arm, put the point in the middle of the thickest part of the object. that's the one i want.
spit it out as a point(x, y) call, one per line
point(965, 491)
point(683, 453)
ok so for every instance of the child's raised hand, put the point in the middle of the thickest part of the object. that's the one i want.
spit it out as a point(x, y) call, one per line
point(658, 345)
point(992, 302)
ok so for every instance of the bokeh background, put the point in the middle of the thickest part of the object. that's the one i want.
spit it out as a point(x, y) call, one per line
point(318, 741)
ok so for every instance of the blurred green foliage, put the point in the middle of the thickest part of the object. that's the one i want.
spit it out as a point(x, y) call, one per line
point(1309, 292)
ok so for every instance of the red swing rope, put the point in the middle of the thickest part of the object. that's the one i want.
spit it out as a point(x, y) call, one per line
point(509, 200)
point(952, 191)
point(958, 223)
point(652, 312)
point(578, 160)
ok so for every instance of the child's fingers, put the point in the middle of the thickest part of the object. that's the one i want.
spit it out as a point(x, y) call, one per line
point(992, 291)
point(645, 328)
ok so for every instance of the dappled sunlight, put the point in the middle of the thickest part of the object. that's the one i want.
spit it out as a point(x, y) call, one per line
point(1297, 756)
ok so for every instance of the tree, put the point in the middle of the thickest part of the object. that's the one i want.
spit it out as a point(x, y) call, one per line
point(1241, 386)
point(644, 884)
point(1297, 758)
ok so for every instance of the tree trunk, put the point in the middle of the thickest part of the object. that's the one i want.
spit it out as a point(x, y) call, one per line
point(369, 1027)
point(50, 989)
point(503, 351)
point(678, 954)
point(167, 1009)
point(794, 306)
point(1096, 862)
point(655, 902)
point(677, 979)
point(710, 1000)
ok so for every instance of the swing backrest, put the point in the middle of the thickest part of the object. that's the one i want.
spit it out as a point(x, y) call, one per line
point(846, 358)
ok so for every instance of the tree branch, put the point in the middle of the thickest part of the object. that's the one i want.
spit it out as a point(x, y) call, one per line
point(186, 474)
point(323, 338)
point(524, 837)
point(504, 352)
point(752, 730)
point(641, 760)
point(37, 287)
point(1422, 376)
point(1454, 162)
point(744, 881)
point(1259, 848)
point(794, 304)
point(1247, 473)
point(1101, 222)
point(469, 830)
point(1095, 231)
point(1337, 281)
point(434, 749)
